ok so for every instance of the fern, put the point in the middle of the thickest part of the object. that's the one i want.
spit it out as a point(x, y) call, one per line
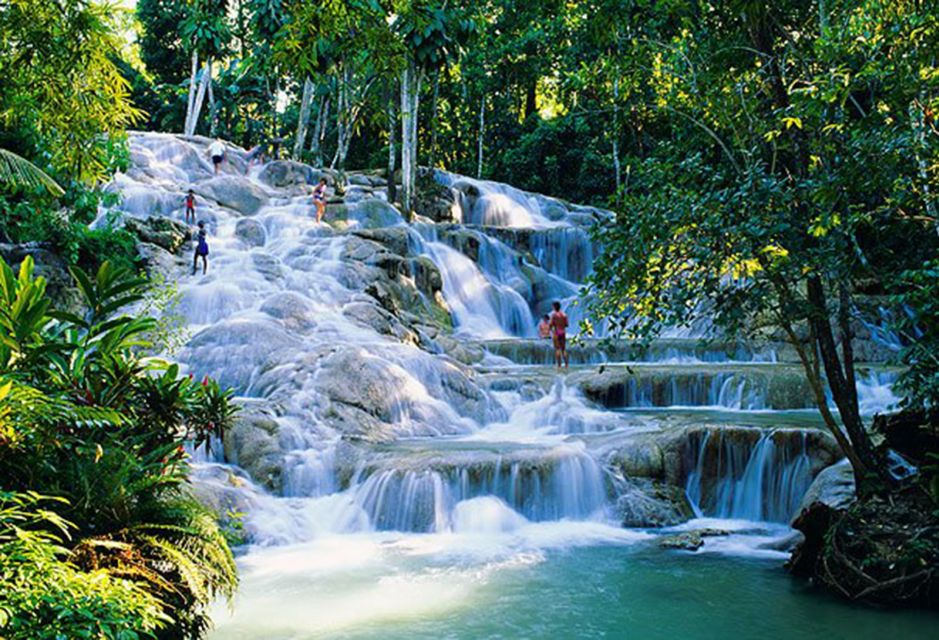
point(20, 173)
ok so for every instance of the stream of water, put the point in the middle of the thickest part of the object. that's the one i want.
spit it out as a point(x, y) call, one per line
point(394, 485)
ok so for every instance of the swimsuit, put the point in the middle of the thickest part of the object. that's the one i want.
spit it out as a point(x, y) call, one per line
point(560, 333)
point(203, 248)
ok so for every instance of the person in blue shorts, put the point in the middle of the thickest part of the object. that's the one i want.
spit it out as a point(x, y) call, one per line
point(202, 251)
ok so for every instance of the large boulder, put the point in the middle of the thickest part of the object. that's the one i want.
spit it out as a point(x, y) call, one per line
point(373, 397)
point(372, 315)
point(435, 201)
point(287, 173)
point(646, 503)
point(235, 351)
point(252, 444)
point(372, 213)
point(48, 264)
point(159, 263)
point(234, 192)
point(295, 311)
point(833, 487)
point(165, 233)
point(251, 232)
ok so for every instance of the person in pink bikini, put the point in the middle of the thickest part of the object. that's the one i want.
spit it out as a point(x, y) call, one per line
point(558, 324)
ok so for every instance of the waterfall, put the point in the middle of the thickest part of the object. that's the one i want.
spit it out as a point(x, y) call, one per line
point(479, 306)
point(742, 478)
point(565, 252)
point(569, 485)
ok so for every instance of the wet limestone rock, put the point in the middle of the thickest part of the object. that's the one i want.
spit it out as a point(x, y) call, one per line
point(373, 213)
point(252, 444)
point(689, 540)
point(295, 311)
point(48, 264)
point(165, 233)
point(158, 262)
point(646, 503)
point(435, 201)
point(372, 315)
point(251, 232)
point(234, 351)
point(833, 487)
point(234, 192)
point(288, 173)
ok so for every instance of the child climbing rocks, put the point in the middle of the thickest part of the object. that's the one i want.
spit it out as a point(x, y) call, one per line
point(202, 251)
point(190, 207)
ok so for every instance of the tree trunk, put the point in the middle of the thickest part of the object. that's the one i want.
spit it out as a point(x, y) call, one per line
point(392, 127)
point(479, 137)
point(432, 154)
point(616, 161)
point(200, 98)
point(192, 91)
point(303, 120)
point(213, 112)
point(316, 144)
point(531, 99)
point(868, 472)
point(407, 186)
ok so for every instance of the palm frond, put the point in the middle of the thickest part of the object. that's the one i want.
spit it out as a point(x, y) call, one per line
point(19, 172)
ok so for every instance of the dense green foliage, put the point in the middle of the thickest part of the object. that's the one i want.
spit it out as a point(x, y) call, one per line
point(46, 597)
point(87, 417)
point(791, 182)
point(500, 86)
point(64, 106)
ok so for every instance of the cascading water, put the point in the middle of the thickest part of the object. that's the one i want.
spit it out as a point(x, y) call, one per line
point(742, 478)
point(564, 485)
point(363, 425)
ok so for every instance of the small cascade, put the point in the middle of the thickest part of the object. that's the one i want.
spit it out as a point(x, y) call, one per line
point(563, 251)
point(310, 473)
point(759, 476)
point(564, 486)
point(479, 306)
point(875, 392)
point(726, 390)
point(562, 411)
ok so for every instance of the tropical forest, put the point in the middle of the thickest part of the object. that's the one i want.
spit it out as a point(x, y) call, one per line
point(469, 319)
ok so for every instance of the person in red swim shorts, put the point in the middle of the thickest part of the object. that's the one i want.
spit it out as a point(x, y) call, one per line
point(558, 324)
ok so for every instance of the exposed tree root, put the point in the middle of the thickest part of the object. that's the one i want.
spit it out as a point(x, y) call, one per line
point(879, 551)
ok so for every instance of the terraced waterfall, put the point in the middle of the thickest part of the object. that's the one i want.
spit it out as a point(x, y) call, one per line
point(409, 464)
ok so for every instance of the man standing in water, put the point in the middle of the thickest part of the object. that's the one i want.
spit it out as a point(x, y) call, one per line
point(558, 325)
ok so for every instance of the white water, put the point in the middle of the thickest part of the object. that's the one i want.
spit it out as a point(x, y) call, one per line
point(423, 524)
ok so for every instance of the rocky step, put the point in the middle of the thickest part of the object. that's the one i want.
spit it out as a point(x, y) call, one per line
point(740, 386)
point(528, 351)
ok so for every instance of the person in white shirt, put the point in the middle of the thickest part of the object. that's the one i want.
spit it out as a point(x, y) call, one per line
point(217, 151)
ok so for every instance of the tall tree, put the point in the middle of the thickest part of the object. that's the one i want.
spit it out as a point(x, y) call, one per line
point(758, 205)
point(207, 32)
point(431, 31)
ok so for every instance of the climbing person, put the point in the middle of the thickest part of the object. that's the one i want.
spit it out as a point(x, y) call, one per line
point(559, 324)
point(190, 206)
point(544, 327)
point(319, 199)
point(202, 251)
point(217, 152)
point(255, 153)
